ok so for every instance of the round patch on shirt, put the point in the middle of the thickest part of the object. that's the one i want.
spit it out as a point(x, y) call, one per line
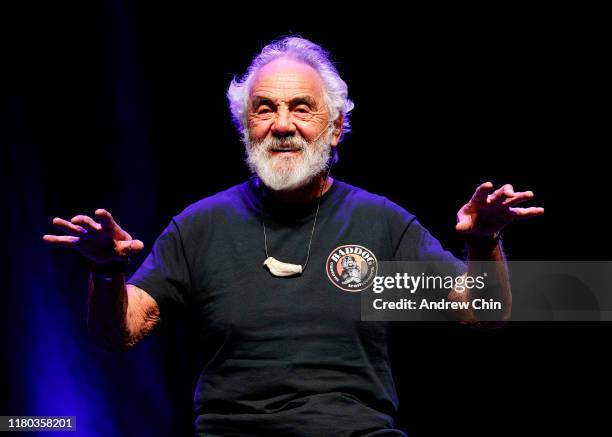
point(351, 267)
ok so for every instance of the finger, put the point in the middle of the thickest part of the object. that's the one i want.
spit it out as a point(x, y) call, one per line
point(61, 240)
point(66, 226)
point(464, 224)
point(106, 219)
point(481, 193)
point(501, 193)
point(508, 190)
point(527, 212)
point(87, 222)
point(129, 247)
point(519, 198)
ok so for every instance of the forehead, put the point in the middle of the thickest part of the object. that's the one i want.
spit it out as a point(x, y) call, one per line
point(285, 78)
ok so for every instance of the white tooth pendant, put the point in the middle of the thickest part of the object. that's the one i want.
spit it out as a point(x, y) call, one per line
point(281, 269)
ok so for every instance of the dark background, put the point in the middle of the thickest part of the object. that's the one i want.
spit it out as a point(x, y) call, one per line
point(122, 106)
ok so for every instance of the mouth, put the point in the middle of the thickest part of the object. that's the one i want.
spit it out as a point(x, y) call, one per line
point(280, 151)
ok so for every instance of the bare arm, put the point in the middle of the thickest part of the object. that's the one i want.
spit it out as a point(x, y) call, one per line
point(481, 220)
point(486, 260)
point(119, 314)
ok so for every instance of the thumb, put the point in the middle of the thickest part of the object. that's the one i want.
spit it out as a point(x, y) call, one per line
point(129, 247)
point(464, 224)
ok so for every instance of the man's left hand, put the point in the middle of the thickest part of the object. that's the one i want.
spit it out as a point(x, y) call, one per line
point(488, 211)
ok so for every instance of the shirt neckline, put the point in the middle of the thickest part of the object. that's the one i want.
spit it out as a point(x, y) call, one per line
point(285, 211)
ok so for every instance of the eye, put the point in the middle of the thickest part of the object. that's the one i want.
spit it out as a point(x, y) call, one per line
point(302, 112)
point(264, 110)
point(302, 109)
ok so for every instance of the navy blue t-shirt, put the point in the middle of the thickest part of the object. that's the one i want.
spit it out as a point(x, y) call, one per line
point(284, 356)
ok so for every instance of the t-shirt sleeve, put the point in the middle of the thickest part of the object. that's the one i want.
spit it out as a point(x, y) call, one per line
point(165, 273)
point(412, 242)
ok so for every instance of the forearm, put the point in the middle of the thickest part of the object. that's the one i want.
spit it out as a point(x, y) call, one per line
point(485, 261)
point(489, 261)
point(107, 311)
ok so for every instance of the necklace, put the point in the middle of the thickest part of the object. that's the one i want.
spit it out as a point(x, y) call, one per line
point(281, 269)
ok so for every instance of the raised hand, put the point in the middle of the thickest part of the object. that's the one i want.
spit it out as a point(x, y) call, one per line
point(488, 211)
point(101, 241)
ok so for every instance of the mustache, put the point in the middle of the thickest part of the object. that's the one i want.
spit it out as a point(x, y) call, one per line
point(286, 143)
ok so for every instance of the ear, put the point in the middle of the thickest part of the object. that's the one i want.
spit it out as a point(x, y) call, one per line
point(337, 131)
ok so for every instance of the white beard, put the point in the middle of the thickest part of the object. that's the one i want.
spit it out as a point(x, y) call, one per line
point(287, 173)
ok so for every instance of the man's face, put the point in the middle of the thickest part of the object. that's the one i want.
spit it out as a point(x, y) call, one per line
point(289, 134)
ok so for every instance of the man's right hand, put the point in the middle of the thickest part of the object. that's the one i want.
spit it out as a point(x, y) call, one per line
point(119, 314)
point(102, 241)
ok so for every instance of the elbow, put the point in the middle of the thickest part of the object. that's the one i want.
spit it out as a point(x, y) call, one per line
point(499, 319)
point(488, 323)
point(109, 342)
point(486, 319)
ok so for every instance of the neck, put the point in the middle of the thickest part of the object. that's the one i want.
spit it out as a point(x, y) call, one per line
point(313, 190)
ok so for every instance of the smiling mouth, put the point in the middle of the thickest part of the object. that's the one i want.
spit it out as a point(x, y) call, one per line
point(284, 150)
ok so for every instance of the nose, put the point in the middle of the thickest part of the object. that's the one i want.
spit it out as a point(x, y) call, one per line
point(283, 125)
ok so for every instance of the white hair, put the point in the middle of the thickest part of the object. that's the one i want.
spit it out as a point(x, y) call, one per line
point(299, 49)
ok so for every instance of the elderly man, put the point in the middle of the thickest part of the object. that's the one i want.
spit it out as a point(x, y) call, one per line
point(271, 269)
